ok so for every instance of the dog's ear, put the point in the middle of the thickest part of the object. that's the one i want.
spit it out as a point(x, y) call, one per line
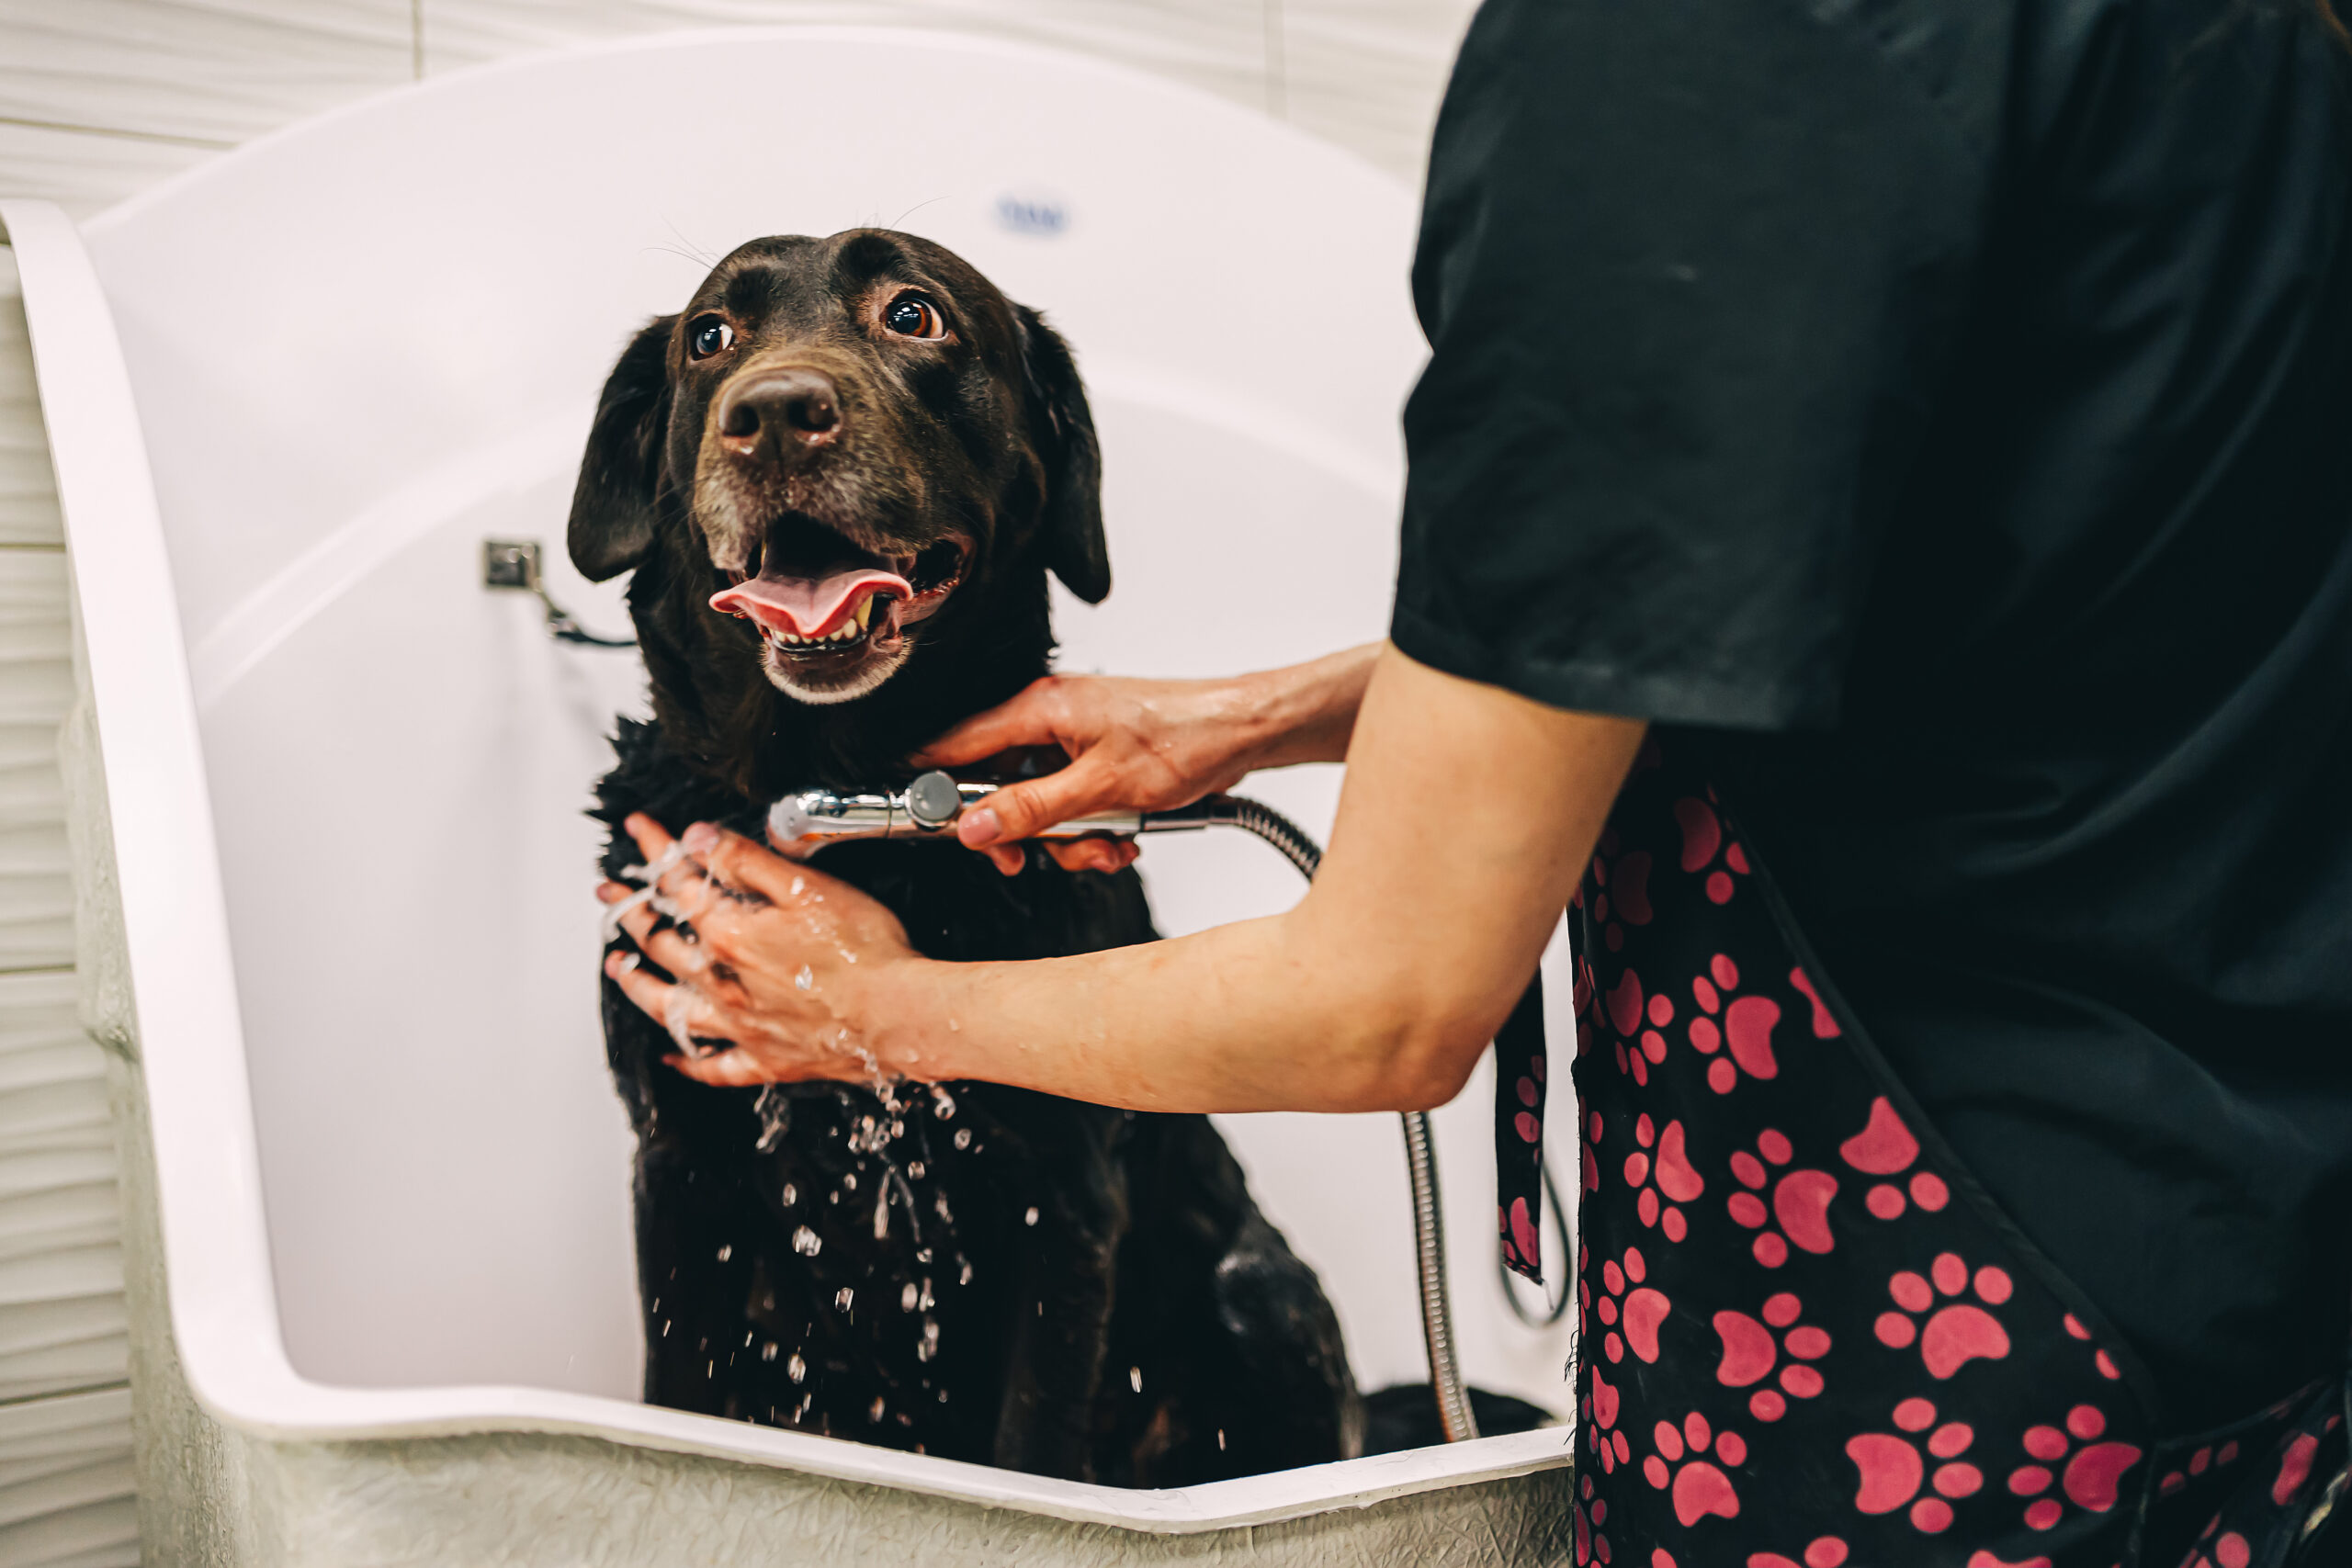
point(612, 506)
point(1072, 524)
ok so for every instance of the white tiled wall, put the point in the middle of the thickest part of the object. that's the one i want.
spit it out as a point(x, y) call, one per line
point(98, 100)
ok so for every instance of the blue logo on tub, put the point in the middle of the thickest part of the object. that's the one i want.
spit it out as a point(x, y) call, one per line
point(1033, 212)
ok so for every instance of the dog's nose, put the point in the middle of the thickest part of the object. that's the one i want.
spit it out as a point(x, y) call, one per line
point(789, 410)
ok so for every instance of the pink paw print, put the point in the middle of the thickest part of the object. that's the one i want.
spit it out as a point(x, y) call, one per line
point(1821, 1551)
point(1698, 1487)
point(1601, 1405)
point(2099, 1358)
point(1892, 1470)
point(1885, 1147)
point(1800, 1202)
point(1591, 1164)
point(1702, 836)
point(1628, 1014)
point(1591, 1513)
point(1620, 889)
point(1751, 1349)
point(1746, 1027)
point(2092, 1474)
point(1668, 1172)
point(1958, 1332)
point(1629, 1304)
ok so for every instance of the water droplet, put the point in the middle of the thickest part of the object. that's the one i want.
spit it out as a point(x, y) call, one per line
point(929, 1347)
point(939, 1205)
point(767, 1351)
point(874, 1412)
point(926, 1301)
point(807, 979)
point(849, 1183)
point(965, 1278)
point(962, 1137)
point(791, 1194)
point(1135, 1379)
point(923, 1255)
point(1030, 1217)
point(914, 1169)
point(797, 884)
point(908, 1297)
point(843, 1298)
point(797, 1370)
point(1220, 1439)
point(726, 1252)
point(807, 1242)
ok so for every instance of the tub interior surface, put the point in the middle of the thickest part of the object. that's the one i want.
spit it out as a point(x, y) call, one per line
point(400, 760)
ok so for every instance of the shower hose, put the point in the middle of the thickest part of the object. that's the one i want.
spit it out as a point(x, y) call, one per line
point(1420, 1160)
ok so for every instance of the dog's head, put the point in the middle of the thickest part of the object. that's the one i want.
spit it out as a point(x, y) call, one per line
point(844, 434)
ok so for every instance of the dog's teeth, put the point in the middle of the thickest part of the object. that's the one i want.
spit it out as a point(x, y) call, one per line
point(864, 611)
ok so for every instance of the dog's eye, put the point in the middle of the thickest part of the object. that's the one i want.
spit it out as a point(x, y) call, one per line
point(912, 315)
point(708, 336)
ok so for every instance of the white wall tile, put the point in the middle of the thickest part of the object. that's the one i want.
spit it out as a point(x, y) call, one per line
point(66, 1485)
point(27, 495)
point(1219, 45)
point(218, 71)
point(1368, 74)
point(85, 172)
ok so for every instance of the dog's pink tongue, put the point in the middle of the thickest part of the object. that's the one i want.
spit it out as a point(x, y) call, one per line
point(807, 606)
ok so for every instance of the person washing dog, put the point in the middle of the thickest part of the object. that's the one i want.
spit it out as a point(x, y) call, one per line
point(1879, 543)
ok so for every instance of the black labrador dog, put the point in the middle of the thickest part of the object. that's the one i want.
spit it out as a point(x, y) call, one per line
point(841, 476)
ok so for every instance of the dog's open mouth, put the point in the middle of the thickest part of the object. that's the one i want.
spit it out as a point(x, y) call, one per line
point(819, 600)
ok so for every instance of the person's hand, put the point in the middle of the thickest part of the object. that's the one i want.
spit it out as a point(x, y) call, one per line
point(768, 958)
point(1133, 745)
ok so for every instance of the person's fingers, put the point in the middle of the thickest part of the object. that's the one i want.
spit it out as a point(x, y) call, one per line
point(726, 1069)
point(666, 947)
point(651, 994)
point(653, 838)
point(1018, 810)
point(737, 861)
point(1093, 854)
point(1029, 719)
point(1010, 858)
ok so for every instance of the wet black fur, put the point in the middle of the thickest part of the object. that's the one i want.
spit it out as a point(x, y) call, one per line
point(1146, 1262)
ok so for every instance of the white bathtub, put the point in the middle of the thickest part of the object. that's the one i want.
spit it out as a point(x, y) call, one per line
point(382, 1293)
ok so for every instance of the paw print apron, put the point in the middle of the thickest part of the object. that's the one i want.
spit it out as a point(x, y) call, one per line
point(1810, 1338)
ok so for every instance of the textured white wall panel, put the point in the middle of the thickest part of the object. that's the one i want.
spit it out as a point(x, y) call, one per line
point(1219, 45)
point(1368, 74)
point(61, 1264)
point(65, 1493)
point(65, 1488)
point(85, 173)
point(215, 71)
point(36, 686)
point(28, 498)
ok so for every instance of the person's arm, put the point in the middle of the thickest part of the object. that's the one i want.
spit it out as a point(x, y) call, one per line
point(1467, 816)
point(1138, 745)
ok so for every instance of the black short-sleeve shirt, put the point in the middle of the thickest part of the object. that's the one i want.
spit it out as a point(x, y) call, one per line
point(1941, 411)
